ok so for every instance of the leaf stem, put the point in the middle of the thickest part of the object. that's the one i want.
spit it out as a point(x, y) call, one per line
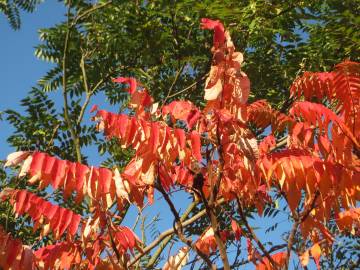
point(168, 232)
point(253, 235)
point(64, 84)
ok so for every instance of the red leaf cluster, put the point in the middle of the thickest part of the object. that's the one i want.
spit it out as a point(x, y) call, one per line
point(236, 229)
point(207, 243)
point(227, 86)
point(140, 101)
point(340, 86)
point(100, 184)
point(349, 220)
point(125, 239)
point(155, 143)
point(279, 258)
point(62, 255)
point(14, 255)
point(182, 110)
point(262, 115)
point(50, 216)
point(219, 30)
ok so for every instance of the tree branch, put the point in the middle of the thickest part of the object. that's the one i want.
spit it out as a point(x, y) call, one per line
point(168, 232)
point(163, 244)
point(298, 220)
point(89, 11)
point(177, 75)
point(64, 83)
point(243, 262)
point(188, 87)
point(210, 207)
point(253, 235)
point(178, 228)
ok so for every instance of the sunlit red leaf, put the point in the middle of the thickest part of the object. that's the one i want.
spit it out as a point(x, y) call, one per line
point(278, 258)
point(178, 261)
point(182, 110)
point(131, 81)
point(14, 255)
point(219, 31)
point(125, 239)
point(315, 251)
point(60, 219)
point(62, 255)
point(196, 145)
point(236, 229)
point(349, 219)
point(304, 258)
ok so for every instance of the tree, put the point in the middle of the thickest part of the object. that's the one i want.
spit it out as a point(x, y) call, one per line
point(158, 43)
point(211, 153)
point(11, 9)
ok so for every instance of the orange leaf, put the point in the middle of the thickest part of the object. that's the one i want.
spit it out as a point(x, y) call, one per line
point(279, 258)
point(236, 229)
point(304, 258)
point(196, 145)
point(316, 254)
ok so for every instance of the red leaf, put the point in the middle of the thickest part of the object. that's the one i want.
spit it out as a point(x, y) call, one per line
point(62, 255)
point(316, 254)
point(182, 110)
point(36, 207)
point(75, 221)
point(196, 145)
point(94, 108)
point(219, 31)
point(236, 229)
point(66, 221)
point(13, 249)
point(131, 81)
point(318, 114)
point(126, 238)
point(155, 136)
point(20, 199)
point(279, 258)
point(37, 162)
point(123, 123)
point(59, 172)
point(165, 179)
point(13, 255)
point(180, 135)
point(105, 178)
point(267, 144)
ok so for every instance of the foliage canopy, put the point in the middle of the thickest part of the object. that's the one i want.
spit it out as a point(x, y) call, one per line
point(218, 149)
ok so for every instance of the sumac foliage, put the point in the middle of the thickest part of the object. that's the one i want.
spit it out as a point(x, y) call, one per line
point(213, 154)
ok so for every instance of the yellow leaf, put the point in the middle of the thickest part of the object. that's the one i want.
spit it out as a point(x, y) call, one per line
point(304, 258)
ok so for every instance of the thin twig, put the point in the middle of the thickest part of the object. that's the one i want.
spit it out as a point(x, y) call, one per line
point(64, 83)
point(178, 228)
point(163, 244)
point(88, 97)
point(253, 235)
point(168, 232)
point(89, 11)
point(298, 220)
point(210, 207)
point(189, 87)
point(51, 141)
point(177, 75)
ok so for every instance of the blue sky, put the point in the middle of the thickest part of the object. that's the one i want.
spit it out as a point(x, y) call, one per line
point(20, 70)
point(19, 67)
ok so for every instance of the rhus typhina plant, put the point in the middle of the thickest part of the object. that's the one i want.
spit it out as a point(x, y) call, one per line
point(227, 154)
